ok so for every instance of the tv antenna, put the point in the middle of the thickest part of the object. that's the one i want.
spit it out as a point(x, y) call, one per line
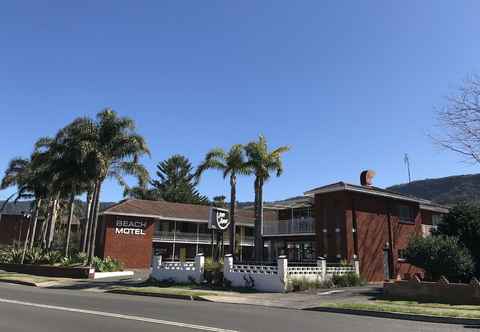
point(406, 160)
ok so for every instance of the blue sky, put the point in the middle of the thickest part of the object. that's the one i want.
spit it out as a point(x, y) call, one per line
point(349, 85)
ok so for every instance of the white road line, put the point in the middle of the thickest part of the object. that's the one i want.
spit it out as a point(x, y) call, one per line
point(331, 292)
point(114, 315)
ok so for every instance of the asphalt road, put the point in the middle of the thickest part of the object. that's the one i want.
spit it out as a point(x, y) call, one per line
point(45, 310)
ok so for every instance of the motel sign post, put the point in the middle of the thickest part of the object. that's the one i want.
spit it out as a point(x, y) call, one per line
point(218, 222)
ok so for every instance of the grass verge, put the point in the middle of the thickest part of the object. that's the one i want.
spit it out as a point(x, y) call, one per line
point(414, 308)
point(158, 291)
point(25, 278)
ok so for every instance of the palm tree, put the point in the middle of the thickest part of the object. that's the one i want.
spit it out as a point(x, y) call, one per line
point(231, 163)
point(262, 162)
point(112, 149)
point(26, 175)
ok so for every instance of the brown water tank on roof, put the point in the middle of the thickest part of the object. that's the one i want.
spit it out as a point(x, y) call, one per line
point(366, 178)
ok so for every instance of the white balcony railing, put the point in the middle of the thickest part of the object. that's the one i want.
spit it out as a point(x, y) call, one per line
point(201, 238)
point(292, 226)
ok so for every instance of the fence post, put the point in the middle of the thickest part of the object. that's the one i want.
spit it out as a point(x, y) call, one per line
point(282, 267)
point(356, 265)
point(227, 264)
point(157, 263)
point(199, 266)
point(322, 262)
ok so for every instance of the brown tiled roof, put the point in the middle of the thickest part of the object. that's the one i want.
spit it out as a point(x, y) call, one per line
point(168, 210)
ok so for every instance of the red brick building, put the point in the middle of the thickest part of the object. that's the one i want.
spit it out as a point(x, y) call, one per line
point(339, 222)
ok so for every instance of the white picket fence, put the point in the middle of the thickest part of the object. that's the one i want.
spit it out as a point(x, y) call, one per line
point(276, 278)
point(261, 277)
point(181, 272)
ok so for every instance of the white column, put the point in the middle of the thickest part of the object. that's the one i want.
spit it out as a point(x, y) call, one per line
point(227, 264)
point(282, 266)
point(356, 264)
point(174, 239)
point(322, 262)
point(157, 263)
point(198, 239)
point(199, 266)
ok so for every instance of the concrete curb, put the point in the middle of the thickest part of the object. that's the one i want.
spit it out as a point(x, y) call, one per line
point(394, 315)
point(162, 295)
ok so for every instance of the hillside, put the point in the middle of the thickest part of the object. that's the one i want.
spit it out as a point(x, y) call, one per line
point(448, 190)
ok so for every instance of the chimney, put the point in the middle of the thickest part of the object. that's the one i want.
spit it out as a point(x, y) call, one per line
point(366, 177)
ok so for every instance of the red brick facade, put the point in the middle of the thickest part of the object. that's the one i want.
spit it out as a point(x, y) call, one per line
point(353, 224)
point(133, 250)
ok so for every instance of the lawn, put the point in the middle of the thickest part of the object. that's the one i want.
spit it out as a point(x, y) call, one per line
point(10, 276)
point(412, 307)
point(155, 291)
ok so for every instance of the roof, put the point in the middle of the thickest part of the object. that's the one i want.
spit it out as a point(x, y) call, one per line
point(371, 190)
point(172, 211)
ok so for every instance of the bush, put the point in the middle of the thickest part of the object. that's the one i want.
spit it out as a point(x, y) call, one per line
point(107, 264)
point(463, 222)
point(440, 255)
point(213, 272)
point(349, 279)
point(303, 284)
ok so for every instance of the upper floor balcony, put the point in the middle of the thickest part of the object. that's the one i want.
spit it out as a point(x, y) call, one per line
point(305, 225)
point(200, 238)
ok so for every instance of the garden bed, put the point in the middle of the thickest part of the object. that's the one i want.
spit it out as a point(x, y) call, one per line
point(49, 270)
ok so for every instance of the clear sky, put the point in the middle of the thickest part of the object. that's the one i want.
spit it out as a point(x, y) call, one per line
point(349, 85)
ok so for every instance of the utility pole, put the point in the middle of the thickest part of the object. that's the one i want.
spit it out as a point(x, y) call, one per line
point(406, 160)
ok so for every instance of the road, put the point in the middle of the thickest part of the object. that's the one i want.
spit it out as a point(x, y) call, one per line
point(25, 308)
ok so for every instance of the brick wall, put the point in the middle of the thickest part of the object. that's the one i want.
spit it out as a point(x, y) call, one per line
point(134, 251)
point(376, 223)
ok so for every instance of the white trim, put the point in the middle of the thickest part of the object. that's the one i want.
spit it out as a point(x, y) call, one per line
point(347, 187)
point(100, 275)
point(434, 208)
point(152, 216)
point(289, 234)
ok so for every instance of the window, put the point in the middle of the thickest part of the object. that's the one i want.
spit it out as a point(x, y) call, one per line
point(405, 214)
point(436, 219)
point(401, 254)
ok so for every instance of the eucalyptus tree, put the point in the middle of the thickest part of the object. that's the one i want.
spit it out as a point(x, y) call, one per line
point(231, 164)
point(112, 149)
point(262, 162)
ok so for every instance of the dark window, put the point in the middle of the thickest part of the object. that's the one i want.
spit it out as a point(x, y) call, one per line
point(401, 254)
point(405, 214)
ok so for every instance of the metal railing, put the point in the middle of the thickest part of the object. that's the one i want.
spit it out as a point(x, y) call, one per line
point(203, 238)
point(291, 226)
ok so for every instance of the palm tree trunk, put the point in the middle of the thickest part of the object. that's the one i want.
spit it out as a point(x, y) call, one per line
point(46, 223)
point(69, 224)
point(53, 221)
point(35, 220)
point(86, 231)
point(90, 220)
point(95, 221)
point(233, 198)
point(258, 231)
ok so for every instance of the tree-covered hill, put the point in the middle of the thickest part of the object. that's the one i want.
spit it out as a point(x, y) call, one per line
point(448, 190)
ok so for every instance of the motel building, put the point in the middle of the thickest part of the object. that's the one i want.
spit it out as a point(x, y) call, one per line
point(340, 222)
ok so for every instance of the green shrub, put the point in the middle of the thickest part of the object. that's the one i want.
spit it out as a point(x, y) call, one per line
point(303, 284)
point(440, 255)
point(107, 264)
point(213, 272)
point(349, 279)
